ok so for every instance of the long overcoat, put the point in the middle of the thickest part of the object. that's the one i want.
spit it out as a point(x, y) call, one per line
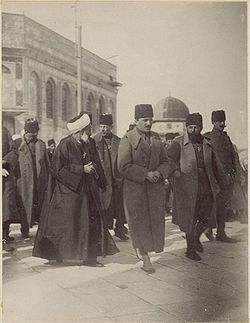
point(144, 202)
point(109, 165)
point(25, 184)
point(63, 230)
point(186, 186)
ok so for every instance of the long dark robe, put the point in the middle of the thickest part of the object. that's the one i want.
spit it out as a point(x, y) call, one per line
point(64, 226)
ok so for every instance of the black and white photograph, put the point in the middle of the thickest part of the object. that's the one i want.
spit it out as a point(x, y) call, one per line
point(124, 161)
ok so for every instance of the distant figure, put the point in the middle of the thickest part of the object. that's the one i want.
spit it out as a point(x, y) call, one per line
point(107, 143)
point(195, 184)
point(72, 225)
point(51, 149)
point(143, 163)
point(223, 146)
point(32, 184)
point(9, 209)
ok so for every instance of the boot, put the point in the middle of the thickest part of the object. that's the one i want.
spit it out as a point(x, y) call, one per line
point(199, 229)
point(191, 253)
point(221, 236)
point(209, 234)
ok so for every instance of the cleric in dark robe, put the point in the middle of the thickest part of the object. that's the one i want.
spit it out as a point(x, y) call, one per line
point(72, 223)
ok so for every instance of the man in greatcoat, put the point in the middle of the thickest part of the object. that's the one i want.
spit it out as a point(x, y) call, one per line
point(107, 144)
point(223, 146)
point(143, 163)
point(51, 149)
point(33, 180)
point(72, 225)
point(196, 184)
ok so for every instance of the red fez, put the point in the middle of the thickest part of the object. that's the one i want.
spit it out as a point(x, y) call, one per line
point(143, 111)
point(194, 119)
point(31, 125)
point(171, 135)
point(106, 119)
point(218, 115)
point(51, 142)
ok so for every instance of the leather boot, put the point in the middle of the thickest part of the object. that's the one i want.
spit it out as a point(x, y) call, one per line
point(199, 229)
point(191, 253)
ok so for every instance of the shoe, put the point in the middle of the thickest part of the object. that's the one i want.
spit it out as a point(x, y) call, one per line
point(209, 234)
point(198, 246)
point(121, 235)
point(92, 263)
point(225, 238)
point(6, 247)
point(192, 254)
point(148, 270)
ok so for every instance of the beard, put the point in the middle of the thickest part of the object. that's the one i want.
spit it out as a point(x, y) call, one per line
point(84, 137)
point(195, 138)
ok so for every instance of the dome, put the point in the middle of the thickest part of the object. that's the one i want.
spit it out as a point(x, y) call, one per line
point(170, 109)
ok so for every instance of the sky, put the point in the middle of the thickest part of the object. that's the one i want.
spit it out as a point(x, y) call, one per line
point(197, 51)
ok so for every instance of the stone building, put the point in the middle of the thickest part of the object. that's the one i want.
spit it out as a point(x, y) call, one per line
point(39, 79)
point(170, 116)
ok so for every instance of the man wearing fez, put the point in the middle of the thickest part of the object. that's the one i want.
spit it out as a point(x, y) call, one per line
point(107, 145)
point(195, 184)
point(72, 223)
point(143, 163)
point(33, 179)
point(223, 146)
point(51, 149)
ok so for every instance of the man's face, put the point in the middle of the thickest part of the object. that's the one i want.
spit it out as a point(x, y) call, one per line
point(85, 133)
point(193, 130)
point(169, 142)
point(31, 136)
point(219, 125)
point(105, 130)
point(144, 124)
point(52, 147)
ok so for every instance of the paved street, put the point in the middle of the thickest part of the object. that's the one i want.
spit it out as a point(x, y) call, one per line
point(181, 290)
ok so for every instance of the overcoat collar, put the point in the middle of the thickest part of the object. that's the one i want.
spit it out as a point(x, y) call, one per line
point(134, 138)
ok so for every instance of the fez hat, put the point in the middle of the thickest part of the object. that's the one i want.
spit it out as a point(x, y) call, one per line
point(171, 135)
point(106, 119)
point(78, 123)
point(51, 142)
point(194, 119)
point(31, 125)
point(218, 115)
point(143, 111)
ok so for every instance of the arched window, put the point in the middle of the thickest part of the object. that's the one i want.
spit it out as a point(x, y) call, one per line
point(90, 105)
point(35, 92)
point(101, 105)
point(50, 98)
point(65, 102)
point(111, 107)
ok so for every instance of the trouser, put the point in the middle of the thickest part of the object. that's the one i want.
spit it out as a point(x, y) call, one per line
point(221, 211)
point(94, 228)
point(201, 217)
point(116, 210)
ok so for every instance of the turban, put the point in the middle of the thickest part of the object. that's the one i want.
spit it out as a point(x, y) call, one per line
point(218, 115)
point(194, 119)
point(16, 136)
point(51, 142)
point(78, 123)
point(106, 119)
point(143, 111)
point(31, 125)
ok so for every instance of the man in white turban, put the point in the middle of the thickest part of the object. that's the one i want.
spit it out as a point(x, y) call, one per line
point(72, 226)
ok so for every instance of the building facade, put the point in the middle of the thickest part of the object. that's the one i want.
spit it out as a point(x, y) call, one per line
point(39, 79)
point(170, 116)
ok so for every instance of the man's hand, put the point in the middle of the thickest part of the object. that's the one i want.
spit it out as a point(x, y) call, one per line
point(177, 174)
point(5, 173)
point(89, 168)
point(153, 177)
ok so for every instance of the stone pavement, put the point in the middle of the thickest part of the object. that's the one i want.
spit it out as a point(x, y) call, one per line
point(212, 290)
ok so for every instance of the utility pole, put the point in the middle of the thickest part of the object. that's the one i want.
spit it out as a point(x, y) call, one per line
point(79, 69)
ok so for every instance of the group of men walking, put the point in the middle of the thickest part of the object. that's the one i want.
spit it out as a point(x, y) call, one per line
point(100, 183)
